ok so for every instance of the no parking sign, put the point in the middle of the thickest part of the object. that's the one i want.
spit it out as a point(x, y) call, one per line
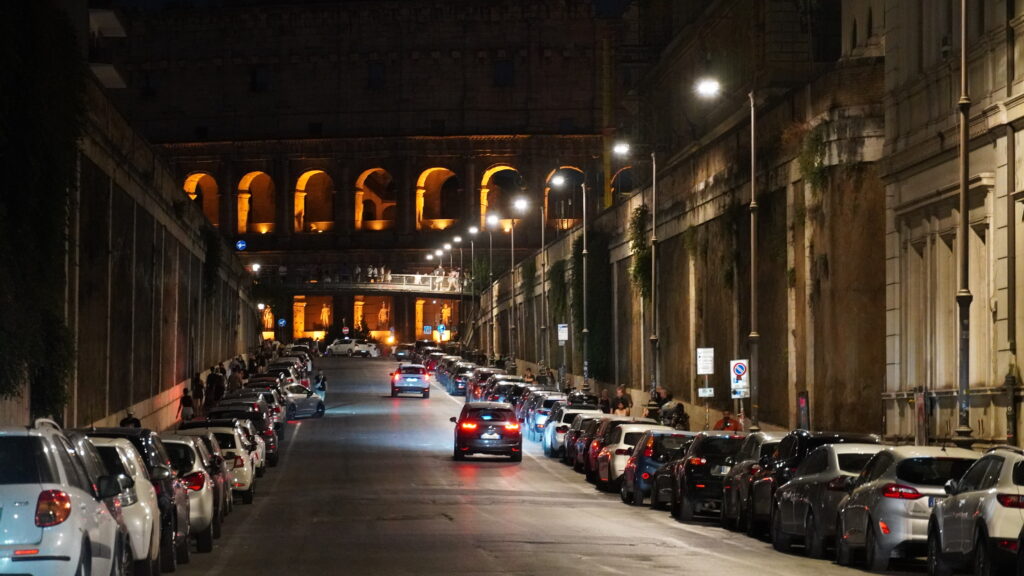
point(739, 372)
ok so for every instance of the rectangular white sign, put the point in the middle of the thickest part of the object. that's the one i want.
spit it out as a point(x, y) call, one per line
point(705, 392)
point(705, 361)
point(563, 332)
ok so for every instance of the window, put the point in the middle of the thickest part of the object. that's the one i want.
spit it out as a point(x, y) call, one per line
point(504, 74)
point(932, 471)
point(815, 463)
point(632, 438)
point(975, 476)
point(853, 463)
point(112, 460)
point(226, 441)
point(182, 457)
point(72, 467)
point(23, 461)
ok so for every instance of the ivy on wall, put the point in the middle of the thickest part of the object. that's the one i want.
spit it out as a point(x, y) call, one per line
point(558, 295)
point(640, 269)
point(812, 157)
point(41, 121)
point(528, 272)
point(599, 299)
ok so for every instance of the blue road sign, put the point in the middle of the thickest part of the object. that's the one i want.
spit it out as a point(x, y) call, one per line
point(241, 245)
point(282, 322)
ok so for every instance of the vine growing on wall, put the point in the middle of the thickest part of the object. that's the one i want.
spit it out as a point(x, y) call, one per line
point(528, 272)
point(559, 292)
point(640, 268)
point(41, 121)
point(812, 157)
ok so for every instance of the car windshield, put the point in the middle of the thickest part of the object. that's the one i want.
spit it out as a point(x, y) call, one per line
point(226, 441)
point(182, 456)
point(490, 415)
point(932, 471)
point(549, 402)
point(853, 463)
point(632, 438)
point(412, 370)
point(23, 461)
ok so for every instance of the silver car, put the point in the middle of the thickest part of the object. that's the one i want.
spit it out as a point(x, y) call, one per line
point(887, 512)
point(189, 458)
point(305, 402)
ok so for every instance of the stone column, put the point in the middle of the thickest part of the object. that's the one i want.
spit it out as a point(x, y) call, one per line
point(358, 205)
point(243, 212)
point(299, 317)
point(357, 312)
point(419, 316)
point(300, 211)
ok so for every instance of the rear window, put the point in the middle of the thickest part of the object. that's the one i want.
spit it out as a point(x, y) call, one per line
point(663, 444)
point(549, 402)
point(412, 370)
point(632, 438)
point(226, 441)
point(489, 415)
point(182, 457)
point(932, 471)
point(23, 461)
point(720, 446)
point(112, 460)
point(853, 463)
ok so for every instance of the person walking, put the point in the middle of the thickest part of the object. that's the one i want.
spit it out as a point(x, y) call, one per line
point(186, 407)
point(198, 392)
point(215, 386)
point(728, 422)
point(235, 380)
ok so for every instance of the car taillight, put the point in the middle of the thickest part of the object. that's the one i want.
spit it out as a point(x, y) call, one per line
point(469, 425)
point(239, 462)
point(277, 409)
point(268, 433)
point(1010, 500)
point(52, 508)
point(512, 426)
point(621, 452)
point(698, 461)
point(754, 470)
point(594, 445)
point(646, 476)
point(195, 481)
point(562, 429)
point(900, 492)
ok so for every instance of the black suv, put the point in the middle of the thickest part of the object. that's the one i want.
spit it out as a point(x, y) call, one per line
point(171, 494)
point(781, 464)
point(698, 476)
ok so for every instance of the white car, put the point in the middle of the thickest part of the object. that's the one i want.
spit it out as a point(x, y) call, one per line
point(611, 460)
point(65, 514)
point(553, 440)
point(189, 457)
point(303, 402)
point(353, 347)
point(138, 503)
point(238, 453)
point(979, 522)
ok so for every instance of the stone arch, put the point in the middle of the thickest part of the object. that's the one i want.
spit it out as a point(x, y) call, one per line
point(375, 202)
point(257, 203)
point(566, 204)
point(438, 200)
point(498, 187)
point(202, 188)
point(314, 202)
point(623, 182)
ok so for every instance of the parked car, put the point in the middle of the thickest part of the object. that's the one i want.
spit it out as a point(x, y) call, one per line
point(650, 453)
point(886, 513)
point(806, 506)
point(190, 458)
point(404, 352)
point(487, 428)
point(558, 424)
point(458, 377)
point(138, 502)
point(172, 495)
point(661, 482)
point(410, 379)
point(259, 415)
point(611, 460)
point(239, 452)
point(791, 451)
point(219, 472)
point(581, 445)
point(697, 478)
point(537, 413)
point(286, 373)
point(479, 380)
point(602, 436)
point(304, 402)
point(278, 406)
point(980, 522)
point(754, 454)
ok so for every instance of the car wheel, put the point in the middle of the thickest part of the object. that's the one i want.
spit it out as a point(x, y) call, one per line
point(814, 539)
point(754, 527)
point(638, 494)
point(685, 507)
point(742, 519)
point(84, 561)
point(844, 556)
point(394, 393)
point(261, 471)
point(248, 494)
point(876, 558)
point(273, 459)
point(982, 556)
point(218, 521)
point(320, 409)
point(184, 551)
point(168, 561)
point(728, 521)
point(656, 503)
point(426, 395)
point(146, 567)
point(517, 456)
point(204, 539)
point(780, 540)
point(624, 495)
point(457, 454)
point(938, 565)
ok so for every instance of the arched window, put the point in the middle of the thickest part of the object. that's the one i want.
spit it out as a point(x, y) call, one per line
point(202, 188)
point(314, 202)
point(438, 199)
point(375, 187)
point(257, 203)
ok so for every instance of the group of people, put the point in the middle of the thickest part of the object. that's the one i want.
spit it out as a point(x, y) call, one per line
point(374, 274)
point(662, 407)
point(621, 404)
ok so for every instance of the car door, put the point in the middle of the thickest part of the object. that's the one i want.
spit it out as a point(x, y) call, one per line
point(95, 515)
point(789, 494)
point(864, 497)
point(955, 509)
point(300, 397)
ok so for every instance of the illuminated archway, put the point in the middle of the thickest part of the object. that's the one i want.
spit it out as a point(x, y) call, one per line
point(437, 199)
point(257, 205)
point(498, 188)
point(202, 188)
point(314, 202)
point(565, 202)
point(623, 182)
point(375, 192)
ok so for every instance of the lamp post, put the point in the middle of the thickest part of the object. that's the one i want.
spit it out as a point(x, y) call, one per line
point(518, 205)
point(461, 280)
point(492, 221)
point(754, 336)
point(559, 180)
point(963, 297)
point(473, 231)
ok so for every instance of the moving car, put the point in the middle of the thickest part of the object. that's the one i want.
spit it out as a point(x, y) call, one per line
point(410, 379)
point(487, 428)
point(303, 402)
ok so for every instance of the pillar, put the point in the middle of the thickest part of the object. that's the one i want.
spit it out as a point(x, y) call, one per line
point(298, 317)
point(358, 193)
point(300, 210)
point(243, 212)
point(419, 317)
point(357, 313)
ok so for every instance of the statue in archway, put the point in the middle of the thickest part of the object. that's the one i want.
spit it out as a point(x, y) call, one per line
point(446, 314)
point(383, 316)
point(268, 319)
point(325, 316)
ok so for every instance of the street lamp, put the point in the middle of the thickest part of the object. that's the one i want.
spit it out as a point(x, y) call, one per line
point(473, 231)
point(460, 278)
point(963, 296)
point(492, 221)
point(256, 268)
point(559, 181)
point(518, 205)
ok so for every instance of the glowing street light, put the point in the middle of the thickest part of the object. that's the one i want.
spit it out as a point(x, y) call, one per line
point(708, 87)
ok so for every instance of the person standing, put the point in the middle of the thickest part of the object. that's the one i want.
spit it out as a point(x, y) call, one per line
point(129, 420)
point(728, 422)
point(604, 402)
point(198, 392)
point(620, 394)
point(235, 380)
point(215, 386)
point(186, 407)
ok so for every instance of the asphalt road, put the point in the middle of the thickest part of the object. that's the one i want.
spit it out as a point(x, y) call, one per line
point(372, 489)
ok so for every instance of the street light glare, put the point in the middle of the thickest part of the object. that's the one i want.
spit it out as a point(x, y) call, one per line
point(457, 239)
point(447, 246)
point(621, 148)
point(473, 230)
point(492, 219)
point(430, 256)
point(438, 252)
point(558, 180)
point(520, 204)
point(256, 267)
point(708, 87)
point(261, 306)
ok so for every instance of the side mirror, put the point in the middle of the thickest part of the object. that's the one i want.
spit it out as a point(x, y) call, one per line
point(950, 486)
point(108, 487)
point(125, 482)
point(730, 461)
point(161, 473)
point(453, 419)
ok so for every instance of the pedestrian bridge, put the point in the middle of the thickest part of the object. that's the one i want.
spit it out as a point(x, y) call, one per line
point(417, 284)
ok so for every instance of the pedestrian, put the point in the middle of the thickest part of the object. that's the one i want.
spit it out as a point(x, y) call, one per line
point(186, 407)
point(604, 402)
point(620, 394)
point(198, 392)
point(235, 380)
point(528, 377)
point(358, 273)
point(215, 386)
point(728, 422)
point(620, 408)
point(130, 421)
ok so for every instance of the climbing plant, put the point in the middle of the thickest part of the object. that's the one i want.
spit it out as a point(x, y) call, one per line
point(528, 272)
point(812, 157)
point(559, 293)
point(41, 120)
point(640, 269)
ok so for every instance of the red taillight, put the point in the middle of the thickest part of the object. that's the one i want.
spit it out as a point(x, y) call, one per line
point(1010, 500)
point(697, 461)
point(239, 462)
point(621, 452)
point(268, 433)
point(52, 508)
point(754, 470)
point(512, 426)
point(646, 476)
point(277, 409)
point(195, 481)
point(469, 425)
point(595, 445)
point(562, 429)
point(648, 452)
point(900, 492)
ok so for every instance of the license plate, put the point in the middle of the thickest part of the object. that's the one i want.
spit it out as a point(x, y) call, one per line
point(489, 436)
point(721, 470)
point(411, 379)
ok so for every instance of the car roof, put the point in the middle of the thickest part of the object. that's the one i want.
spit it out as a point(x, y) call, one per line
point(852, 448)
point(644, 427)
point(122, 432)
point(488, 405)
point(180, 438)
point(721, 433)
point(209, 423)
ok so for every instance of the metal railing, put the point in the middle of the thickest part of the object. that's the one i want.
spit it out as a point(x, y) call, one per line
point(389, 283)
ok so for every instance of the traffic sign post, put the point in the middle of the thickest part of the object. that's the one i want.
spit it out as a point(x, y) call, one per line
point(739, 375)
point(705, 368)
point(706, 393)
